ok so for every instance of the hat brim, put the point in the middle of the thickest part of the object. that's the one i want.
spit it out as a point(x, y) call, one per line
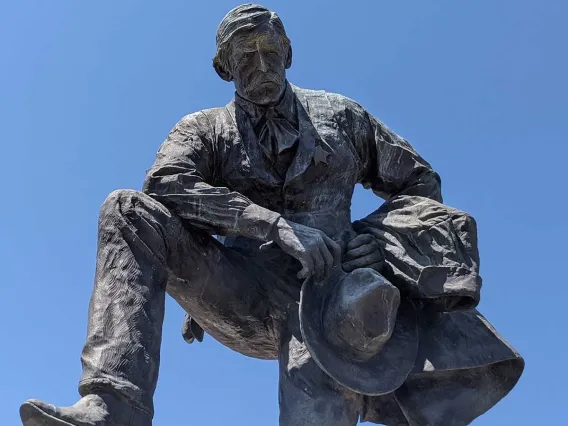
point(379, 375)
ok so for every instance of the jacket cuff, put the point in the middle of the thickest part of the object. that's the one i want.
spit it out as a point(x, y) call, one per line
point(256, 222)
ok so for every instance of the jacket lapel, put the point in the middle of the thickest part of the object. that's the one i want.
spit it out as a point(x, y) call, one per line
point(309, 139)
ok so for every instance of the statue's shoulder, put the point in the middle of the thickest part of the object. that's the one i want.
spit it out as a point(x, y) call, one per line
point(343, 104)
point(339, 103)
point(203, 120)
point(216, 114)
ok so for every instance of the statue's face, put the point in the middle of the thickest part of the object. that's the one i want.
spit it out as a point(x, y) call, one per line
point(258, 65)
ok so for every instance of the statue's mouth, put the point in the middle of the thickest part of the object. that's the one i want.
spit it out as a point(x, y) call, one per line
point(260, 79)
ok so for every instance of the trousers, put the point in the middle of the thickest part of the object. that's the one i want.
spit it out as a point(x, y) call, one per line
point(246, 300)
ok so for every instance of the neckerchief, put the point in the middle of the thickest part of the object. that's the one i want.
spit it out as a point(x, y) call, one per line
point(276, 127)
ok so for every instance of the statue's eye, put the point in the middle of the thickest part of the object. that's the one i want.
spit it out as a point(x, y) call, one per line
point(247, 55)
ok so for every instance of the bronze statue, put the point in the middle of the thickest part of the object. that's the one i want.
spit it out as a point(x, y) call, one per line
point(244, 219)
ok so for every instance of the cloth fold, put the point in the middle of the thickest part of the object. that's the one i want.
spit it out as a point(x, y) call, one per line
point(430, 251)
point(463, 366)
point(275, 134)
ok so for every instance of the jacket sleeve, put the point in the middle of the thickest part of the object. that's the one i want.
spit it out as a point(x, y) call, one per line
point(390, 165)
point(182, 178)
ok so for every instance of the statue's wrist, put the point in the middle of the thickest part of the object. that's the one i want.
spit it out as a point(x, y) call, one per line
point(257, 222)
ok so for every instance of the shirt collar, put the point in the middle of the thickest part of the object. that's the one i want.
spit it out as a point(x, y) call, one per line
point(286, 108)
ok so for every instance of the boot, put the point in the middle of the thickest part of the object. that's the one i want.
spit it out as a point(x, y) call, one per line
point(91, 410)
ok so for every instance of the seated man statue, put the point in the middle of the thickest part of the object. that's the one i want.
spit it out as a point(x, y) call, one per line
point(373, 320)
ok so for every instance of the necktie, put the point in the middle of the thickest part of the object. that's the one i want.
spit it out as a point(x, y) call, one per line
point(275, 134)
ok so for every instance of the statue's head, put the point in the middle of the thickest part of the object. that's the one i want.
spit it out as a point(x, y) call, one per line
point(254, 52)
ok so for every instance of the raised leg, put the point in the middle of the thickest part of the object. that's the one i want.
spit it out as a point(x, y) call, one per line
point(126, 311)
point(144, 251)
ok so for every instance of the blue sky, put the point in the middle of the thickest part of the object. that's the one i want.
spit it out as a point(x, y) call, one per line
point(88, 91)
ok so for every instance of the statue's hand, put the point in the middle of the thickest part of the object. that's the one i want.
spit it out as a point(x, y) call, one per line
point(363, 252)
point(191, 331)
point(317, 253)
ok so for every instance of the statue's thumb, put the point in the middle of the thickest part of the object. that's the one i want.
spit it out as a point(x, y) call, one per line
point(266, 246)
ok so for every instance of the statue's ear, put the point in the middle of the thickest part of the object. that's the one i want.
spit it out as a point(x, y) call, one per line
point(289, 57)
point(222, 72)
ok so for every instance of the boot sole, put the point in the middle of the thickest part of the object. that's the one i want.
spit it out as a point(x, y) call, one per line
point(32, 415)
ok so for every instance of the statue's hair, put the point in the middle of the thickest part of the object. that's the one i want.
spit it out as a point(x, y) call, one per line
point(245, 18)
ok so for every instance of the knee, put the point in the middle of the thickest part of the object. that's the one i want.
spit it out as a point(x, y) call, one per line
point(118, 196)
point(134, 207)
point(131, 206)
point(139, 216)
point(118, 202)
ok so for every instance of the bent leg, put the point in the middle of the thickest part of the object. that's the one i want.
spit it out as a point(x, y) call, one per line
point(307, 395)
point(143, 251)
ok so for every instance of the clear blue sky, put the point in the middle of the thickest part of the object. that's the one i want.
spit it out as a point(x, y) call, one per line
point(89, 89)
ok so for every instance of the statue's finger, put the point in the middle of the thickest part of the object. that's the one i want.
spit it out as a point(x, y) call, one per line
point(361, 262)
point(186, 331)
point(319, 264)
point(361, 251)
point(197, 331)
point(304, 273)
point(359, 240)
point(267, 245)
point(328, 259)
point(334, 249)
point(307, 269)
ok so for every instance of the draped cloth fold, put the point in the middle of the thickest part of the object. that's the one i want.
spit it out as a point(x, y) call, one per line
point(275, 134)
point(463, 367)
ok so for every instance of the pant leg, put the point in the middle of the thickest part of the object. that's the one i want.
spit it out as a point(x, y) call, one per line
point(307, 395)
point(144, 251)
point(240, 297)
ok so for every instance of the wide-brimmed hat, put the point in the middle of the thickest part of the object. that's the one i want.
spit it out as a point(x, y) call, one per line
point(359, 330)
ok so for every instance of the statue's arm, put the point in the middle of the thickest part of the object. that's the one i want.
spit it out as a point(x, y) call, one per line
point(182, 179)
point(395, 168)
point(390, 165)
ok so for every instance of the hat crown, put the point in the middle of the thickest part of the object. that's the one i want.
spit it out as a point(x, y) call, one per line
point(360, 315)
point(345, 322)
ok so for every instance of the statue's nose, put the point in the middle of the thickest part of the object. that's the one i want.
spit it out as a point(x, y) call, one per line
point(263, 65)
